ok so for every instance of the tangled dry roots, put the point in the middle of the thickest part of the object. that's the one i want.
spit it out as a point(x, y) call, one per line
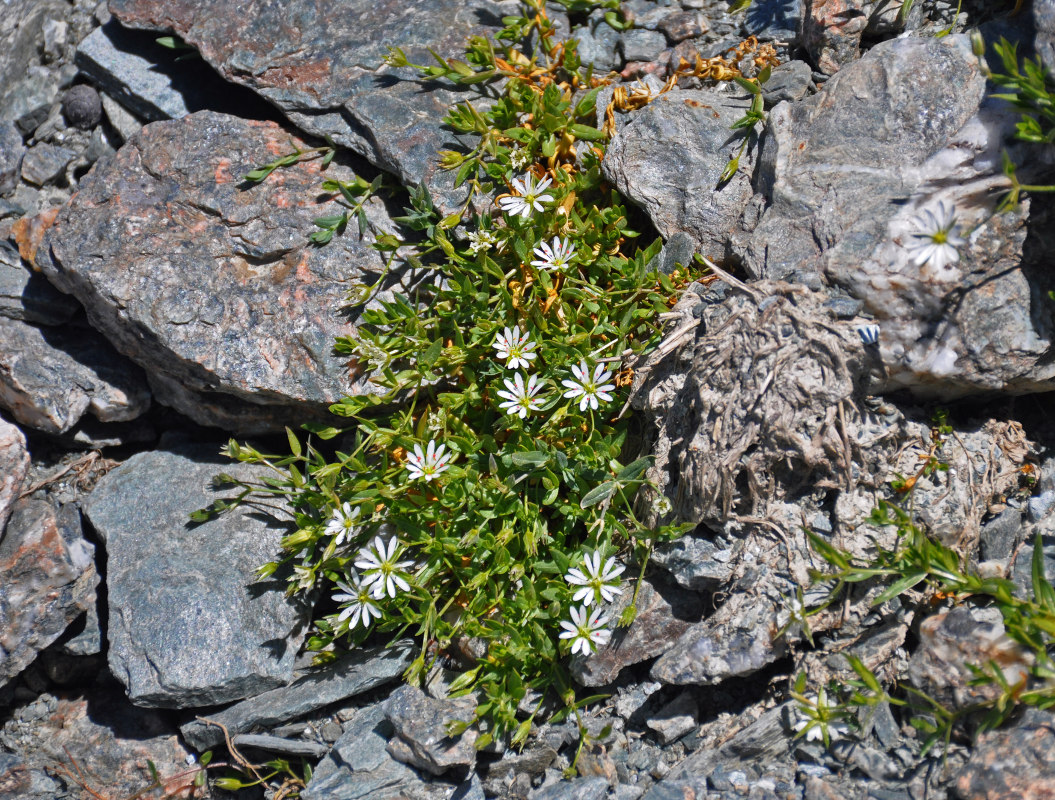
point(753, 402)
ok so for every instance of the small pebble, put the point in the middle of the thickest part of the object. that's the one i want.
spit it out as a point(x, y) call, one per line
point(82, 107)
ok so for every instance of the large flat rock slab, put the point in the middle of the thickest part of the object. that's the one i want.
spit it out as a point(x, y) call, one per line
point(189, 624)
point(14, 466)
point(322, 64)
point(849, 172)
point(212, 284)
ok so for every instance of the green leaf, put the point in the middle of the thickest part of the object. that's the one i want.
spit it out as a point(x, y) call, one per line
point(903, 584)
point(294, 443)
point(586, 132)
point(530, 458)
point(634, 470)
point(598, 494)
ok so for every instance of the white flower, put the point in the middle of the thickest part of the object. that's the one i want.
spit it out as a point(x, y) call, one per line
point(381, 571)
point(429, 464)
point(869, 333)
point(515, 346)
point(342, 523)
point(480, 241)
point(585, 630)
point(937, 243)
point(819, 720)
point(519, 157)
point(531, 197)
point(520, 397)
point(359, 605)
point(555, 256)
point(596, 582)
point(590, 389)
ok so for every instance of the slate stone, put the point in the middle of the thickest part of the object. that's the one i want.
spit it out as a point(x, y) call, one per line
point(669, 158)
point(675, 719)
point(1017, 761)
point(14, 466)
point(27, 90)
point(788, 81)
point(212, 285)
point(848, 170)
point(419, 723)
point(696, 562)
point(322, 65)
point(276, 744)
point(598, 43)
point(45, 163)
point(27, 295)
point(11, 151)
point(575, 789)
point(147, 78)
point(831, 32)
point(1044, 24)
point(773, 19)
point(108, 738)
point(641, 45)
point(47, 580)
point(737, 640)
point(189, 625)
point(355, 673)
point(359, 767)
point(661, 620)
point(50, 377)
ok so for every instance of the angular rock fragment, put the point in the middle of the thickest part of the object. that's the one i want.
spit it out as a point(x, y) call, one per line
point(661, 620)
point(669, 160)
point(27, 295)
point(209, 283)
point(851, 172)
point(189, 623)
point(738, 639)
point(47, 580)
point(421, 740)
point(773, 19)
point(45, 163)
point(831, 32)
point(11, 152)
point(322, 64)
point(14, 466)
point(1012, 763)
point(50, 377)
point(358, 672)
point(360, 768)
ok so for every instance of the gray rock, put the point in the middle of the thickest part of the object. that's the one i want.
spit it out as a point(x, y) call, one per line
point(47, 580)
point(212, 286)
point(1014, 762)
point(124, 121)
point(660, 622)
point(851, 167)
point(669, 159)
point(50, 377)
point(788, 81)
point(11, 151)
point(27, 295)
point(831, 32)
point(737, 640)
point(14, 466)
point(599, 43)
point(327, 74)
point(682, 25)
point(276, 744)
point(189, 623)
point(675, 719)
point(84, 637)
point(679, 249)
point(641, 45)
point(359, 766)
point(695, 561)
point(1041, 505)
point(773, 19)
point(1044, 23)
point(575, 789)
point(1000, 535)
point(357, 672)
point(82, 106)
point(45, 163)
point(419, 723)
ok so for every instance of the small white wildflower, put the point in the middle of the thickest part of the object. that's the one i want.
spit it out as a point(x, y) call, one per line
point(358, 606)
point(428, 464)
point(597, 583)
point(481, 241)
point(520, 397)
point(515, 346)
point(590, 389)
point(817, 718)
point(382, 574)
point(662, 506)
point(342, 523)
point(530, 196)
point(555, 256)
point(519, 157)
point(937, 241)
point(869, 334)
point(586, 630)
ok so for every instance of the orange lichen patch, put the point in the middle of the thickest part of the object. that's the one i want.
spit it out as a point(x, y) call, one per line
point(29, 231)
point(280, 200)
point(222, 173)
point(303, 272)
